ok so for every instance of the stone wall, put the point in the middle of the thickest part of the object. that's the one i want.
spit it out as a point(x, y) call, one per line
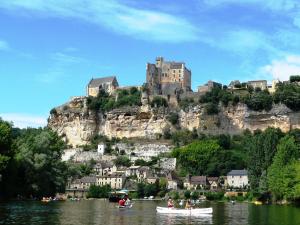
point(77, 125)
point(143, 151)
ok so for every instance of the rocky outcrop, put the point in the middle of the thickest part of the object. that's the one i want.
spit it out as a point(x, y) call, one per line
point(78, 125)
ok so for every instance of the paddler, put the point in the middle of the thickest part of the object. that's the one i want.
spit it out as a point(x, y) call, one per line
point(170, 203)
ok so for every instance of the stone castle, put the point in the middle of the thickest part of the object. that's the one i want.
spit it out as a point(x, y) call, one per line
point(167, 78)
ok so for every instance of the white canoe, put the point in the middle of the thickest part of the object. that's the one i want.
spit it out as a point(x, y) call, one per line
point(125, 206)
point(185, 212)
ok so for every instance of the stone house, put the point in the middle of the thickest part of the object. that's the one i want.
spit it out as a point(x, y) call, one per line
point(172, 183)
point(108, 84)
point(272, 87)
point(114, 180)
point(143, 173)
point(132, 171)
point(262, 84)
point(167, 77)
point(195, 182)
point(213, 183)
point(104, 168)
point(151, 179)
point(232, 84)
point(83, 183)
point(237, 179)
point(208, 86)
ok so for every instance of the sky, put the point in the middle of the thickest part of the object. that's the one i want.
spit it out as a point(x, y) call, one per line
point(49, 50)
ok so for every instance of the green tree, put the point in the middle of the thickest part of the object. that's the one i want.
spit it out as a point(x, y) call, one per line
point(261, 148)
point(150, 190)
point(98, 191)
point(140, 190)
point(122, 161)
point(195, 156)
point(195, 195)
point(187, 194)
point(38, 155)
point(5, 143)
point(283, 179)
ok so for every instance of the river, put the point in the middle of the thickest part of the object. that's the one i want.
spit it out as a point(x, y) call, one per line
point(142, 213)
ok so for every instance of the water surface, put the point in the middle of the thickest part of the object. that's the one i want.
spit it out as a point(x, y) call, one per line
point(142, 213)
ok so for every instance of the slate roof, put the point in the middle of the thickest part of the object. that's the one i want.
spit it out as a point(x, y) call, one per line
point(104, 165)
point(113, 175)
point(98, 81)
point(198, 180)
point(213, 178)
point(88, 179)
point(238, 173)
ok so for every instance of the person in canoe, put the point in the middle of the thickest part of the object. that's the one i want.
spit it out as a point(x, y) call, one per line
point(122, 202)
point(127, 202)
point(170, 203)
point(188, 204)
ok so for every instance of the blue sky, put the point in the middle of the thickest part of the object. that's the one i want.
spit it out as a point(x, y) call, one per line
point(49, 50)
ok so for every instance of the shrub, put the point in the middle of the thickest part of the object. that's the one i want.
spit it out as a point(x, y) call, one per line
point(295, 78)
point(98, 192)
point(159, 102)
point(235, 100)
point(260, 101)
point(214, 195)
point(53, 111)
point(122, 161)
point(211, 108)
point(288, 94)
point(195, 195)
point(186, 102)
point(187, 194)
point(173, 118)
point(174, 195)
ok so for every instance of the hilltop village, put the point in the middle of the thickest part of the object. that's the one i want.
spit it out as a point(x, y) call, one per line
point(126, 137)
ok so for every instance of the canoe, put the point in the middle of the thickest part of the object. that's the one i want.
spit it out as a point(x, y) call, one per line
point(125, 207)
point(185, 212)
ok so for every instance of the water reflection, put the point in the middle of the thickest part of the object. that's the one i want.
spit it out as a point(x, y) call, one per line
point(171, 219)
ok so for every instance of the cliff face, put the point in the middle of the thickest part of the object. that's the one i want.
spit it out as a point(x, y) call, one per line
point(77, 124)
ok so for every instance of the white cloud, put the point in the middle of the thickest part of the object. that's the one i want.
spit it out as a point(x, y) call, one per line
point(283, 68)
point(137, 23)
point(60, 64)
point(64, 58)
point(242, 41)
point(4, 46)
point(275, 5)
point(24, 120)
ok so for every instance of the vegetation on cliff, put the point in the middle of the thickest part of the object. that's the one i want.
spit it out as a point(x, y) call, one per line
point(105, 102)
point(287, 93)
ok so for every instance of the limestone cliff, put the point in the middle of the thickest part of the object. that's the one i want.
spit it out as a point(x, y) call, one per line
point(77, 124)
